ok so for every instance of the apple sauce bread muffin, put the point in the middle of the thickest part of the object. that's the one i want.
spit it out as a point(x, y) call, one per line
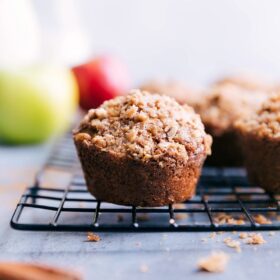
point(260, 138)
point(247, 81)
point(219, 109)
point(175, 89)
point(142, 149)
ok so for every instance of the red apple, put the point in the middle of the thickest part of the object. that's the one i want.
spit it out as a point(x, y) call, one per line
point(100, 79)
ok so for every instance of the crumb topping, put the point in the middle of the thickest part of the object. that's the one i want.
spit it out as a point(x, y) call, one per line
point(233, 244)
point(223, 105)
point(266, 121)
point(93, 237)
point(145, 126)
point(261, 219)
point(216, 262)
point(223, 218)
point(255, 239)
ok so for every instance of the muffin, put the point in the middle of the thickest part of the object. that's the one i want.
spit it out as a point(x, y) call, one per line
point(219, 109)
point(247, 82)
point(142, 149)
point(175, 89)
point(260, 138)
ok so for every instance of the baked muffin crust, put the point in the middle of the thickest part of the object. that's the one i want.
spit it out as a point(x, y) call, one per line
point(260, 138)
point(145, 127)
point(265, 122)
point(223, 105)
point(142, 149)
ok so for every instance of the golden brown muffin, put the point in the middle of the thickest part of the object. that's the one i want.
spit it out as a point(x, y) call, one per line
point(247, 82)
point(260, 138)
point(219, 109)
point(175, 89)
point(142, 149)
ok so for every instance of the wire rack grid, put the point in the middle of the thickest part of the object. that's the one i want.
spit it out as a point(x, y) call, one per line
point(224, 201)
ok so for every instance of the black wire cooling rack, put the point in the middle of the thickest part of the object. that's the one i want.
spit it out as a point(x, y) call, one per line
point(59, 201)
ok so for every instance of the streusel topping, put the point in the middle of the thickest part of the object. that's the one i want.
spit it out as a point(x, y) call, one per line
point(145, 126)
point(223, 105)
point(266, 121)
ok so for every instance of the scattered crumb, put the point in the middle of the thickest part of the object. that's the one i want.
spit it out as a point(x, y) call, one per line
point(233, 244)
point(261, 219)
point(212, 235)
point(93, 237)
point(223, 218)
point(216, 262)
point(178, 206)
point(120, 217)
point(143, 217)
point(234, 232)
point(144, 268)
point(243, 235)
point(255, 239)
point(271, 233)
point(181, 216)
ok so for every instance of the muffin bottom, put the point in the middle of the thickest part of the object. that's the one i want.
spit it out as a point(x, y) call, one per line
point(130, 182)
point(226, 151)
point(262, 161)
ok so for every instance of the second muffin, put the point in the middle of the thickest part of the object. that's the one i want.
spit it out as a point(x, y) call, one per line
point(260, 136)
point(142, 150)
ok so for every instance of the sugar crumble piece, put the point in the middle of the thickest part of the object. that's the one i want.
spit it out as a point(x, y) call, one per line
point(223, 218)
point(233, 244)
point(212, 235)
point(92, 237)
point(144, 268)
point(243, 235)
point(181, 216)
point(216, 262)
point(255, 239)
point(261, 219)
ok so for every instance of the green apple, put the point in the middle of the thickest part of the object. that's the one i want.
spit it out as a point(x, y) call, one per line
point(36, 102)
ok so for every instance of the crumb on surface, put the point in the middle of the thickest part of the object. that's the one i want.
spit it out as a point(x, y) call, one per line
point(261, 219)
point(233, 244)
point(223, 218)
point(216, 262)
point(243, 235)
point(144, 268)
point(255, 239)
point(212, 235)
point(93, 237)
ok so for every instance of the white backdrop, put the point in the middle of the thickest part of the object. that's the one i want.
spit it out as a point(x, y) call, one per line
point(194, 40)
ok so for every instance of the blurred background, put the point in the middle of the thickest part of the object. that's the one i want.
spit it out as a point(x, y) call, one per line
point(194, 41)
